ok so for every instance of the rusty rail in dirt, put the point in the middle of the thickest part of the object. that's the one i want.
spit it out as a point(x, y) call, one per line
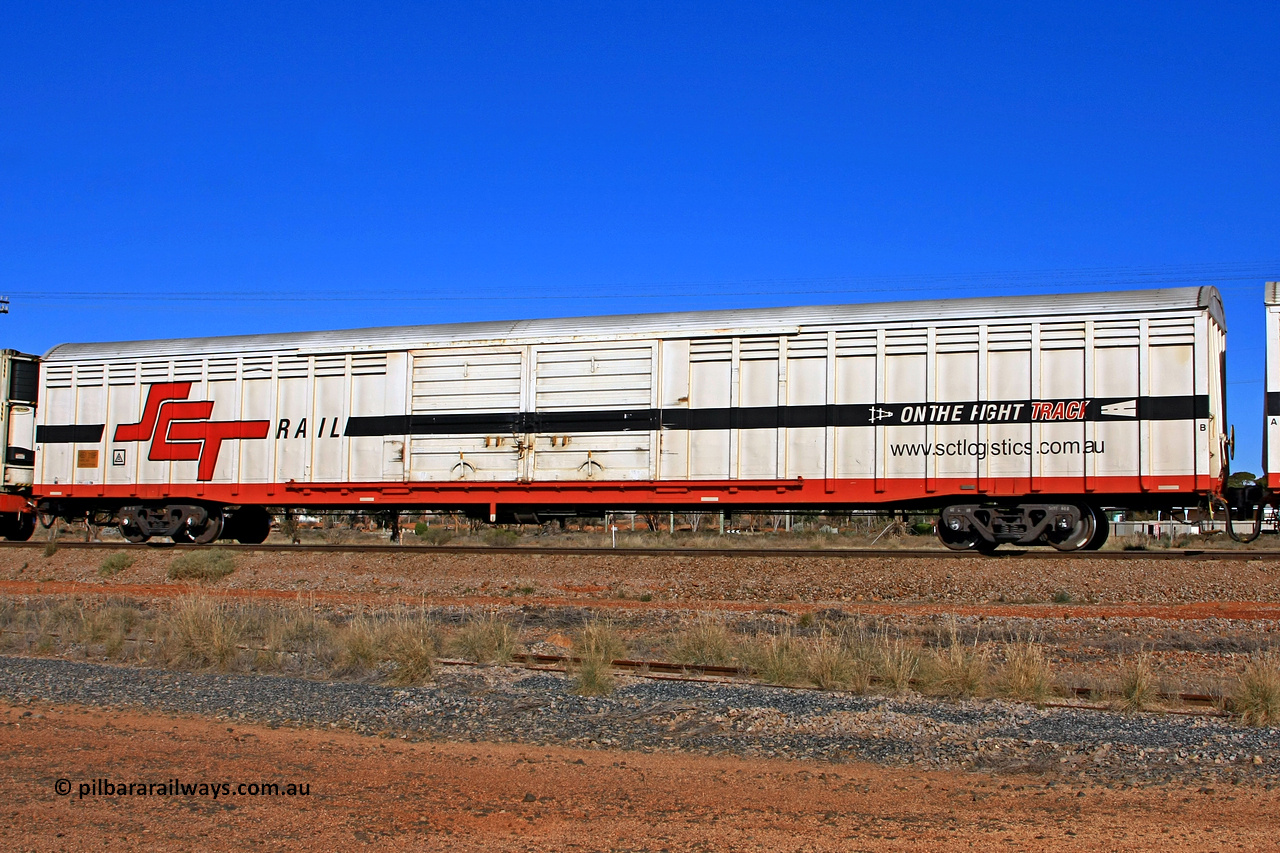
point(1202, 704)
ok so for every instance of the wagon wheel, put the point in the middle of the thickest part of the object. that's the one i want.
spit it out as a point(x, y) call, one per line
point(251, 525)
point(132, 533)
point(211, 531)
point(1100, 534)
point(1081, 535)
point(959, 540)
point(22, 528)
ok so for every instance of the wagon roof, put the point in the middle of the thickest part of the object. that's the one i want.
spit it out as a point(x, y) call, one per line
point(671, 325)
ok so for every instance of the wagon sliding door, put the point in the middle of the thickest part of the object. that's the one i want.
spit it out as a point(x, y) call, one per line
point(465, 418)
point(592, 415)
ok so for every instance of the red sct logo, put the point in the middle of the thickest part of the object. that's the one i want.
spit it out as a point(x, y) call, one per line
point(179, 429)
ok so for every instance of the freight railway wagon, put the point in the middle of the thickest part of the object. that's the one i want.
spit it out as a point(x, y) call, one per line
point(1016, 417)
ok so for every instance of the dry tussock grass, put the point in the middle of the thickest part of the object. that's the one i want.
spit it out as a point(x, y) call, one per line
point(110, 626)
point(777, 658)
point(958, 670)
point(356, 645)
point(412, 642)
point(401, 646)
point(835, 663)
point(200, 632)
point(596, 646)
point(895, 663)
point(486, 639)
point(1025, 675)
point(706, 642)
point(1256, 697)
point(1138, 688)
point(593, 678)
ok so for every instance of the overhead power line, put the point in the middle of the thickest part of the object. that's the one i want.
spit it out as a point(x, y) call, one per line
point(1227, 276)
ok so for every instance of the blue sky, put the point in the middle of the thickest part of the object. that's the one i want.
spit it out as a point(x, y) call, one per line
point(184, 169)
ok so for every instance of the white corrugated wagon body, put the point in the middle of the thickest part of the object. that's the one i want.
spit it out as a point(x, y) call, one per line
point(1063, 402)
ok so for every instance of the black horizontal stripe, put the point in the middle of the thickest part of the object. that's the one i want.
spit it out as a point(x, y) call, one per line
point(1273, 402)
point(607, 421)
point(501, 423)
point(743, 417)
point(1100, 409)
point(1172, 408)
point(480, 423)
point(69, 433)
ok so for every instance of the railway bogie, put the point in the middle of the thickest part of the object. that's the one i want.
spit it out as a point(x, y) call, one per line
point(1064, 526)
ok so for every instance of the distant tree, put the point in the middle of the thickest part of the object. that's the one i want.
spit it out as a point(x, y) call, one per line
point(1241, 478)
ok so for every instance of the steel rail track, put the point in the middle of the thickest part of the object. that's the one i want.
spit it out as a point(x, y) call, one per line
point(824, 553)
point(1198, 704)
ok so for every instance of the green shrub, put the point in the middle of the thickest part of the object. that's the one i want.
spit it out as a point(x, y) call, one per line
point(210, 565)
point(432, 535)
point(501, 537)
point(115, 563)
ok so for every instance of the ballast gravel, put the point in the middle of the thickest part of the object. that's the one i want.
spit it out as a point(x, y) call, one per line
point(512, 704)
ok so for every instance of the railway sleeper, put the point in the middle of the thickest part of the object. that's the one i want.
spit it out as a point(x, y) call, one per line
point(1064, 526)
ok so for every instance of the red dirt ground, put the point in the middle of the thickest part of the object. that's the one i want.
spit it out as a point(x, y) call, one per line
point(397, 795)
point(1173, 612)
